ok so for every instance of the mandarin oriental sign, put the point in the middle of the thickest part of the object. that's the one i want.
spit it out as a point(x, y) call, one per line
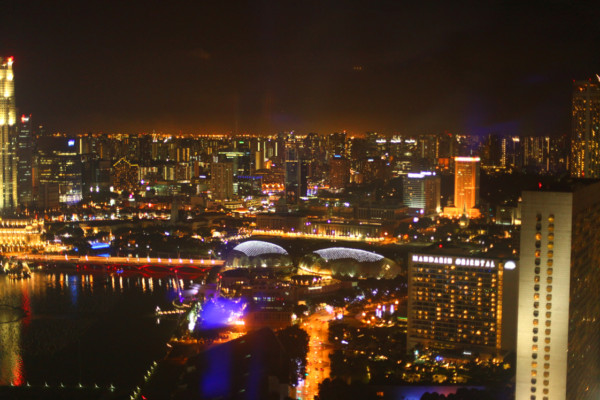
point(458, 261)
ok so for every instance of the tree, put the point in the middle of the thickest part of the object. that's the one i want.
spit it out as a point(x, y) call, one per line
point(295, 342)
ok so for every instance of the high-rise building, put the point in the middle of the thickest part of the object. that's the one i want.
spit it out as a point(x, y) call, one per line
point(466, 187)
point(422, 191)
point(25, 151)
point(59, 172)
point(462, 302)
point(221, 179)
point(585, 134)
point(339, 172)
point(8, 121)
point(558, 339)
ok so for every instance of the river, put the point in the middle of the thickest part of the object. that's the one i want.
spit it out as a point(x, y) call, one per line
point(71, 328)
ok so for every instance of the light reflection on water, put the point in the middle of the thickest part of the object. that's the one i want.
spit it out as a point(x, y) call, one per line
point(73, 327)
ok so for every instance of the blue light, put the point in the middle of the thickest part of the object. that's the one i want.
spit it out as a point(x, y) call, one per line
point(100, 245)
point(71, 143)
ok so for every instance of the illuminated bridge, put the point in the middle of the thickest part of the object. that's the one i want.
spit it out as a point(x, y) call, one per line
point(137, 262)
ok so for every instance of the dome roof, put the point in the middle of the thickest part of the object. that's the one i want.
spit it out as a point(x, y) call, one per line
point(337, 253)
point(253, 248)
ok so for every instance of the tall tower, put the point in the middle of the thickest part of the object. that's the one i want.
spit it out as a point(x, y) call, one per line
point(24, 151)
point(558, 334)
point(466, 183)
point(8, 120)
point(585, 135)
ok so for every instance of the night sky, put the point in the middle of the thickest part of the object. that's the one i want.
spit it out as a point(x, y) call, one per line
point(267, 66)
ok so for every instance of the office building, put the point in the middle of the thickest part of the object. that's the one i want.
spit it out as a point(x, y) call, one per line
point(462, 302)
point(466, 188)
point(558, 340)
point(25, 151)
point(8, 121)
point(59, 171)
point(585, 133)
point(422, 191)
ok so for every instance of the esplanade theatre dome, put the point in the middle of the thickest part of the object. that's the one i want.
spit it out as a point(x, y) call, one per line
point(348, 262)
point(258, 254)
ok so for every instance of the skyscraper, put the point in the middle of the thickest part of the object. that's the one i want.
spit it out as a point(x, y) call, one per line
point(8, 120)
point(221, 178)
point(466, 187)
point(25, 153)
point(585, 135)
point(422, 191)
point(558, 339)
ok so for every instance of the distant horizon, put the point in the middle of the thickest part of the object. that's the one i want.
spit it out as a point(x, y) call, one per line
point(263, 67)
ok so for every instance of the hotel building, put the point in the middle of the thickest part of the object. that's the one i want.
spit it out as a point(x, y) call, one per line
point(462, 302)
point(558, 340)
point(466, 188)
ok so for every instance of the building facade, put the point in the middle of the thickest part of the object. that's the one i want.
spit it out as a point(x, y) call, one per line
point(585, 134)
point(558, 341)
point(221, 180)
point(466, 187)
point(461, 303)
point(8, 121)
point(422, 191)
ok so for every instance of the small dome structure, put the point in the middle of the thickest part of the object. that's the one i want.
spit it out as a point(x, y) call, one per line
point(258, 254)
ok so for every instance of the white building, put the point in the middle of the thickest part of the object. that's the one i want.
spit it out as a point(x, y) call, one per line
point(559, 295)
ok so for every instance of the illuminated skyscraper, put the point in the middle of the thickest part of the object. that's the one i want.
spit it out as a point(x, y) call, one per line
point(558, 336)
point(466, 187)
point(585, 135)
point(8, 120)
point(24, 153)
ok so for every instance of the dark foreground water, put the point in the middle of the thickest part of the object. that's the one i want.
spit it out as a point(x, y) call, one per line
point(70, 328)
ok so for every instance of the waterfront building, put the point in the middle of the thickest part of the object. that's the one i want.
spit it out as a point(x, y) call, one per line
point(558, 341)
point(8, 121)
point(21, 234)
point(585, 133)
point(462, 302)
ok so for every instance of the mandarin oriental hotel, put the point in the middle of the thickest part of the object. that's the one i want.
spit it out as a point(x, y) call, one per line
point(462, 303)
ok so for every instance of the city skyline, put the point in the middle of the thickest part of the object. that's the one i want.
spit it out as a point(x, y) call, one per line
point(261, 68)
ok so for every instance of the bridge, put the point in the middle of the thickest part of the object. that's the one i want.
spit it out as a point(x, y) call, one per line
point(136, 262)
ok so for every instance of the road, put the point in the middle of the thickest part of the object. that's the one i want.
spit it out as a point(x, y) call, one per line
point(318, 368)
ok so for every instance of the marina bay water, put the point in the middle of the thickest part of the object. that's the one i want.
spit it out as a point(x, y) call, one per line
point(70, 328)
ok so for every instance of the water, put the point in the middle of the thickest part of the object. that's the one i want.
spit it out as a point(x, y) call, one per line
point(89, 328)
